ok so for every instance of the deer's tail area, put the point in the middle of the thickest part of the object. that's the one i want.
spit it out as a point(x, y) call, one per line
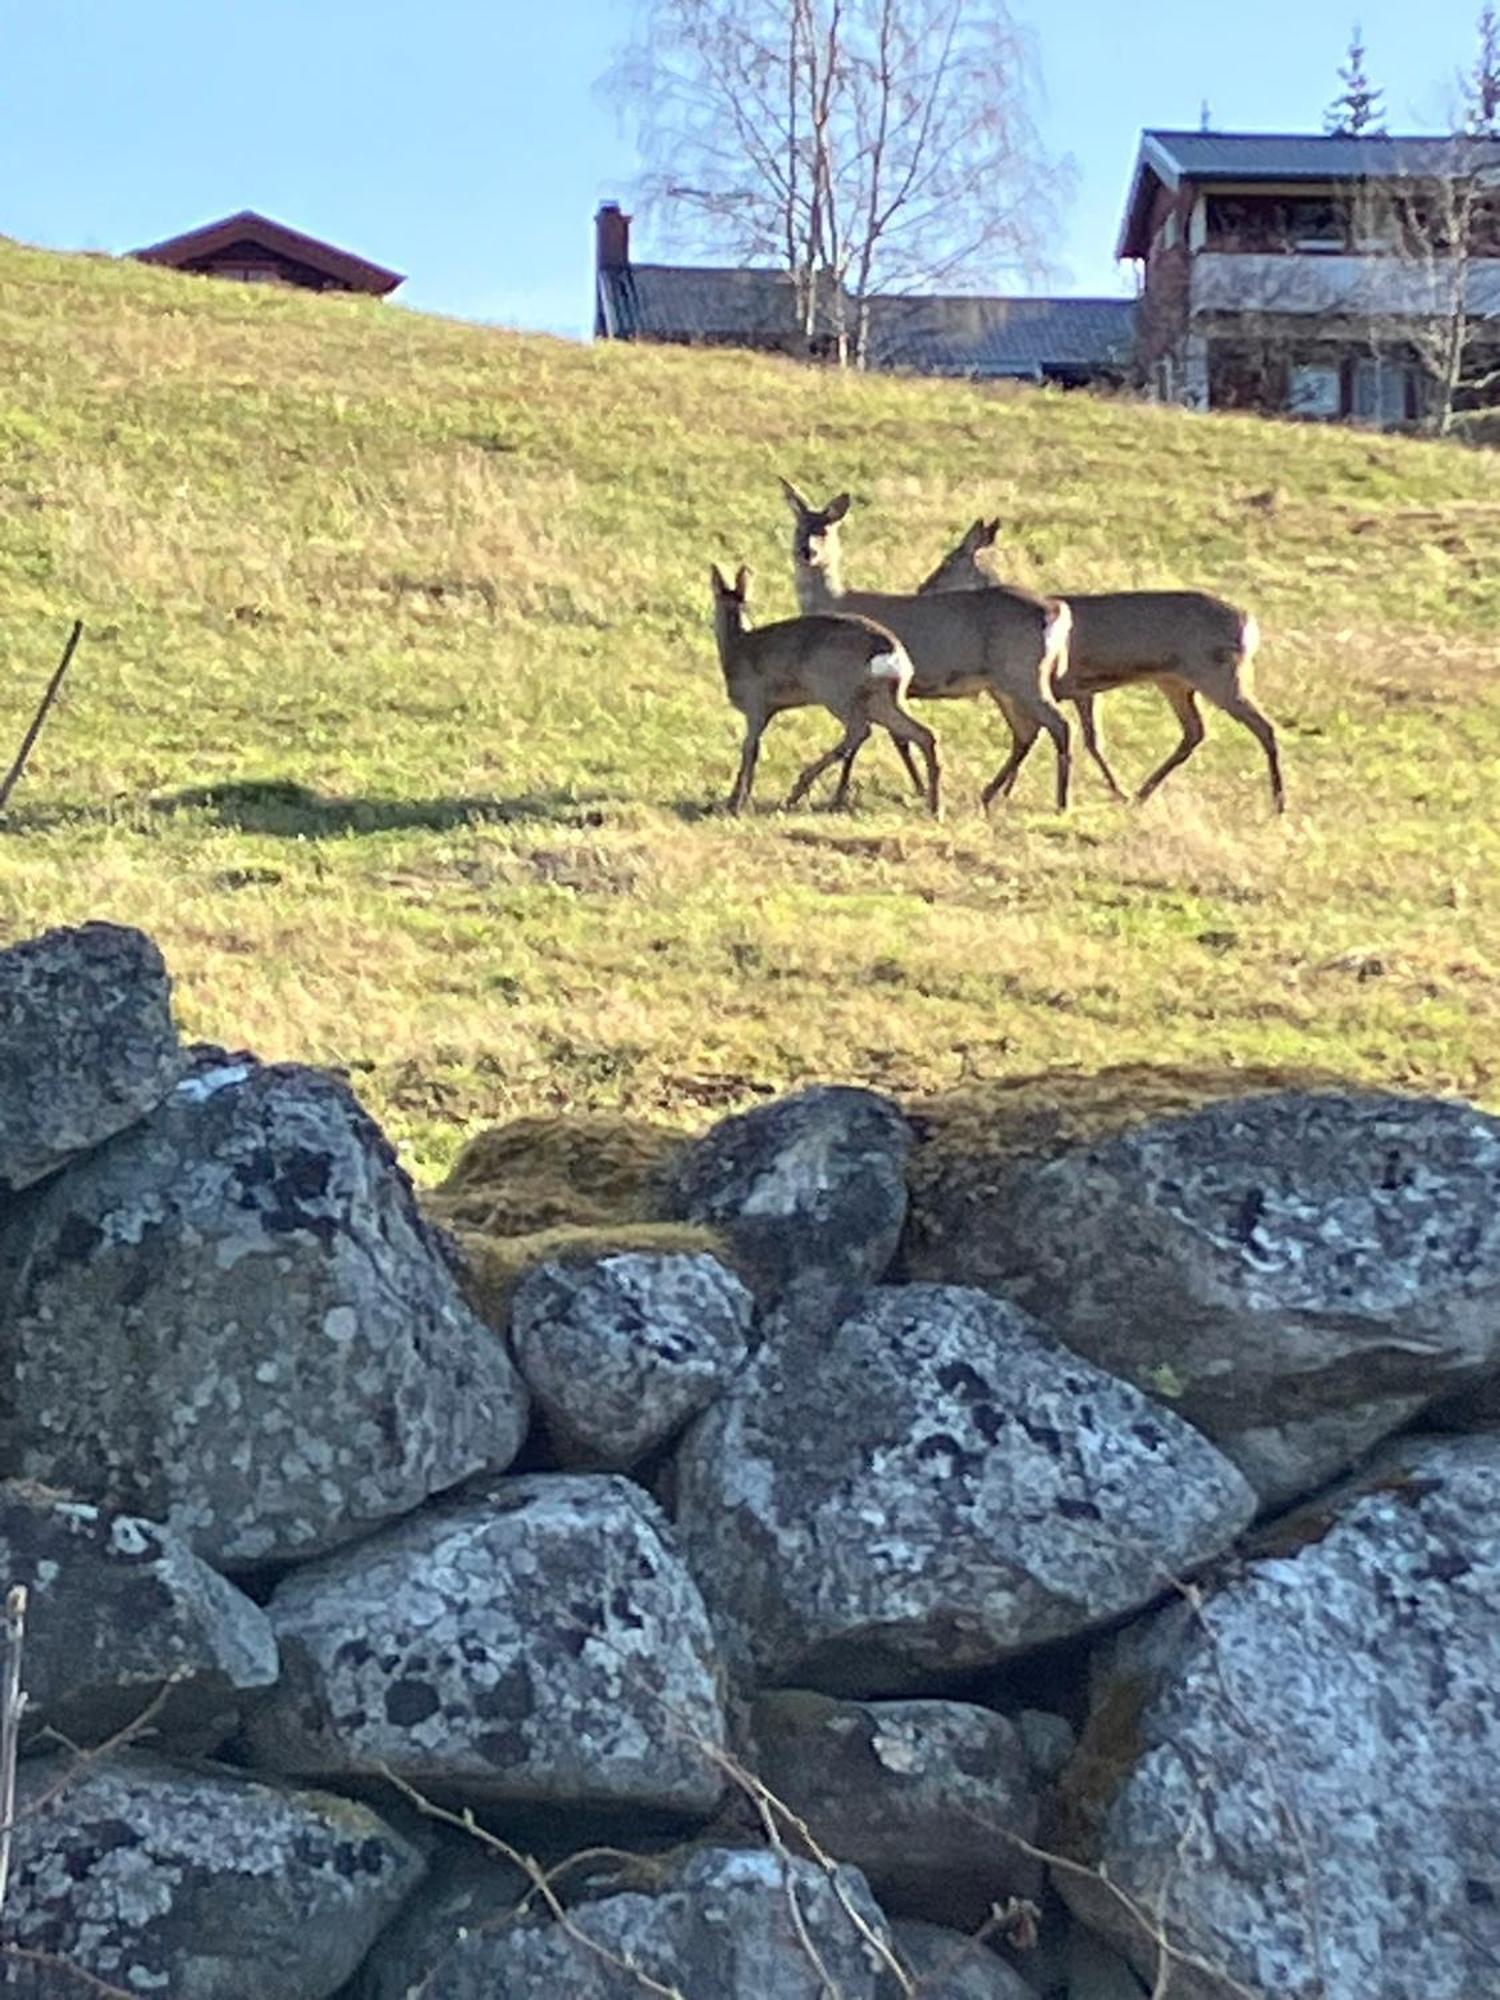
point(892, 667)
point(1058, 628)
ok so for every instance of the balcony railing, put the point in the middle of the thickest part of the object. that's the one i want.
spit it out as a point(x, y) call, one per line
point(1324, 282)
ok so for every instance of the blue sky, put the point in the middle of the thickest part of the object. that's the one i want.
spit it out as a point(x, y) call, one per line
point(466, 142)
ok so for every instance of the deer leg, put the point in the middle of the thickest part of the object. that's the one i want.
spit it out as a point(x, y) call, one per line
point(904, 730)
point(845, 751)
point(903, 751)
point(841, 790)
point(1024, 731)
point(749, 758)
point(1184, 703)
point(1056, 725)
point(1084, 703)
point(1243, 709)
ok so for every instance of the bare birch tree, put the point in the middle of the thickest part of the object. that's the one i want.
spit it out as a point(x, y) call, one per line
point(865, 147)
point(1480, 86)
point(1448, 239)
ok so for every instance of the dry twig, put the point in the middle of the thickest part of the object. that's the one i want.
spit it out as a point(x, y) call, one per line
point(12, 1708)
point(540, 1879)
point(28, 741)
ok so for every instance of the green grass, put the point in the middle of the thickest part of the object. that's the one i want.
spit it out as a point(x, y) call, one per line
point(398, 720)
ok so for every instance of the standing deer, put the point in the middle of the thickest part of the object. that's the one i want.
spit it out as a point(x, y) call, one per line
point(1007, 644)
point(850, 666)
point(1183, 641)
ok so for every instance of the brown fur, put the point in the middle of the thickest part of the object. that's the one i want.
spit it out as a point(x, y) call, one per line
point(854, 668)
point(1185, 642)
point(1007, 644)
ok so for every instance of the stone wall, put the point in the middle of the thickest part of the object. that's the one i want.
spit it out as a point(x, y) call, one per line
point(1041, 1541)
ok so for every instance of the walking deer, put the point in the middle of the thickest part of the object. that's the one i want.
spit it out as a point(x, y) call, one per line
point(1183, 641)
point(1007, 644)
point(850, 666)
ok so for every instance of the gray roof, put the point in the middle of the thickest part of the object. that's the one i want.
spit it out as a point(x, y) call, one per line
point(953, 335)
point(989, 336)
point(1173, 157)
point(748, 308)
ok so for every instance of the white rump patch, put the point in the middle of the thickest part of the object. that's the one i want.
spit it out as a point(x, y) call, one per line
point(888, 667)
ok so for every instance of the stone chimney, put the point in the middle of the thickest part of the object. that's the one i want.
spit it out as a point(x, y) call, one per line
point(612, 237)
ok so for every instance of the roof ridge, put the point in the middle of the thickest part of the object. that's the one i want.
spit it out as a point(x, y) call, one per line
point(1336, 138)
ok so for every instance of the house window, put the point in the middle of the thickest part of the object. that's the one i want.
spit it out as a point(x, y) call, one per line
point(1315, 389)
point(1382, 390)
point(1171, 231)
point(1315, 225)
point(1374, 229)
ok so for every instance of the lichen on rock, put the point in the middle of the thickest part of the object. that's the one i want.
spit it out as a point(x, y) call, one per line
point(233, 1318)
point(933, 1488)
point(87, 1044)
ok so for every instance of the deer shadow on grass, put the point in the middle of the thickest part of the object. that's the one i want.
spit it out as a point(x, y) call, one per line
point(284, 808)
point(281, 806)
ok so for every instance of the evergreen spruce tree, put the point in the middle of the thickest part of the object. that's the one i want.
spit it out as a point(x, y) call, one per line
point(1357, 111)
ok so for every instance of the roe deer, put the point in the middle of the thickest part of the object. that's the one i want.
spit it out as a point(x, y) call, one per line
point(1007, 644)
point(1182, 641)
point(850, 666)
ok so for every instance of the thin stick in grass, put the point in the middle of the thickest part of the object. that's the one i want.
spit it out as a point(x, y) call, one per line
point(28, 741)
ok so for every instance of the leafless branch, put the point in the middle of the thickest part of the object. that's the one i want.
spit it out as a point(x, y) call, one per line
point(84, 1759)
point(47, 1961)
point(541, 1880)
point(863, 145)
point(12, 1708)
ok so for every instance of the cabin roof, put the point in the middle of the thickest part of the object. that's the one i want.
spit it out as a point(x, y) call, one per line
point(357, 273)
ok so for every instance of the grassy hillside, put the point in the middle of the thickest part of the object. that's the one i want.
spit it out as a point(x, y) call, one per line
point(398, 720)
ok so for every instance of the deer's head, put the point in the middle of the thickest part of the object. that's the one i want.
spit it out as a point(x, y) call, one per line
point(961, 568)
point(815, 540)
point(730, 597)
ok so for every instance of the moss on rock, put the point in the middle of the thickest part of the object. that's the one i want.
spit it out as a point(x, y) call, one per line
point(561, 1189)
point(972, 1140)
point(493, 1265)
point(556, 1172)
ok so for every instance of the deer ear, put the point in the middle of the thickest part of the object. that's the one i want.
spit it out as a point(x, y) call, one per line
point(991, 530)
point(837, 509)
point(717, 580)
point(794, 499)
point(742, 580)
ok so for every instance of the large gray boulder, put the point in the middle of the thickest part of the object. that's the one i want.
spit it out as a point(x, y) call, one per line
point(1299, 1272)
point(810, 1190)
point(233, 1319)
point(119, 1608)
point(156, 1879)
point(1301, 1776)
point(922, 1797)
point(540, 1643)
point(933, 1488)
point(619, 1352)
point(716, 1924)
point(87, 1044)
